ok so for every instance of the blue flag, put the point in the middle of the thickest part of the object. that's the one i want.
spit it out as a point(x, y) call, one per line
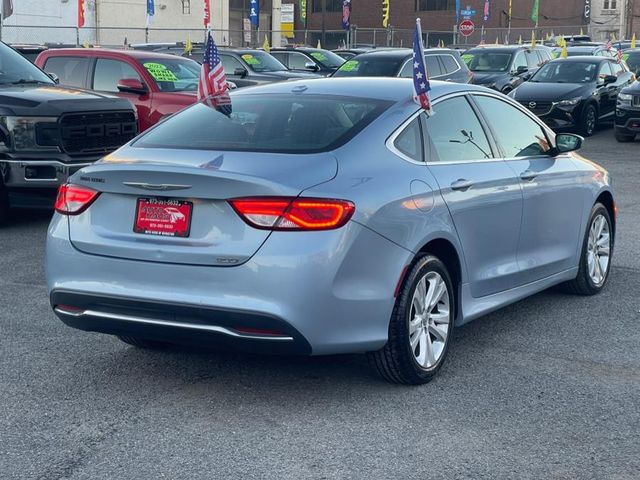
point(254, 12)
point(151, 11)
point(457, 11)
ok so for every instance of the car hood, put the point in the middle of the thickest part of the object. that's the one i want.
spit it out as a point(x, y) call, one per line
point(550, 92)
point(483, 78)
point(633, 89)
point(54, 100)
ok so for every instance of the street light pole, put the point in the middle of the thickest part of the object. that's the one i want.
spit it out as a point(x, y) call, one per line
point(324, 8)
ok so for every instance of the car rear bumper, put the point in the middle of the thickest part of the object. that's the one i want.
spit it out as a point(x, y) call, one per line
point(330, 292)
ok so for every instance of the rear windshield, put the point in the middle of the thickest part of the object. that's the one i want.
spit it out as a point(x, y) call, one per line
point(370, 67)
point(268, 123)
point(483, 61)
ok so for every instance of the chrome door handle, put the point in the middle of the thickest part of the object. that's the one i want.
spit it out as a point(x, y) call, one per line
point(462, 184)
point(528, 175)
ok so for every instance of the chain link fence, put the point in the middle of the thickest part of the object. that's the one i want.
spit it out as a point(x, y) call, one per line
point(373, 37)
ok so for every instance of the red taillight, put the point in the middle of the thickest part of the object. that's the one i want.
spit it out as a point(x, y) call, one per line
point(74, 199)
point(278, 213)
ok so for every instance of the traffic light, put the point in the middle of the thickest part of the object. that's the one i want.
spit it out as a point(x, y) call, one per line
point(385, 13)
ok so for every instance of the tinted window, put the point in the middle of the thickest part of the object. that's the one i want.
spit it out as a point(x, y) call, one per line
point(532, 59)
point(282, 57)
point(520, 61)
point(297, 61)
point(565, 72)
point(326, 58)
point(109, 72)
point(617, 69)
point(605, 70)
point(409, 141)
point(14, 68)
point(230, 64)
point(482, 61)
point(372, 67)
point(71, 71)
point(268, 123)
point(433, 65)
point(517, 133)
point(449, 63)
point(456, 133)
point(633, 61)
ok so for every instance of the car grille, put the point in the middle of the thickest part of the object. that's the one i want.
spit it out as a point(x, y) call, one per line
point(539, 108)
point(96, 133)
point(636, 100)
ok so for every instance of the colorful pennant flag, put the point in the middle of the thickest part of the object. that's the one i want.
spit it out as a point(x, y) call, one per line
point(346, 14)
point(151, 12)
point(81, 12)
point(535, 12)
point(265, 45)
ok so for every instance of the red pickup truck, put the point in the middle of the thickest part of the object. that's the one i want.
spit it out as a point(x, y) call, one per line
point(157, 84)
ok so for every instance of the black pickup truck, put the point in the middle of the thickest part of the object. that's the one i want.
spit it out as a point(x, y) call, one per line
point(48, 132)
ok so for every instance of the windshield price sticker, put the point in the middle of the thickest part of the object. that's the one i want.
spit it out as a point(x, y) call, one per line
point(250, 59)
point(350, 66)
point(319, 56)
point(467, 58)
point(160, 73)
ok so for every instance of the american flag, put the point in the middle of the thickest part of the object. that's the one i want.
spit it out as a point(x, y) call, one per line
point(619, 56)
point(421, 85)
point(608, 45)
point(213, 88)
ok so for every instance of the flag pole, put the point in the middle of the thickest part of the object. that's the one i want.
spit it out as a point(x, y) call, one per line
point(509, 21)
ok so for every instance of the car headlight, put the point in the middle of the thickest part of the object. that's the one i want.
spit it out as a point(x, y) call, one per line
point(624, 99)
point(570, 103)
point(29, 133)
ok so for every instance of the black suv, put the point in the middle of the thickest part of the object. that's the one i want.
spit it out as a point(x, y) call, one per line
point(628, 113)
point(442, 64)
point(249, 67)
point(323, 62)
point(632, 57)
point(503, 68)
point(48, 132)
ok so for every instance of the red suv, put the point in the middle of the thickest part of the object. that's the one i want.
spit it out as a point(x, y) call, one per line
point(157, 84)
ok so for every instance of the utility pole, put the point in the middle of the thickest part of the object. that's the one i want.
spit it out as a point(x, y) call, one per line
point(324, 8)
point(276, 23)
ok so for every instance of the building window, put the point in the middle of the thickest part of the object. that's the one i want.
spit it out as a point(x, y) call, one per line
point(426, 5)
point(186, 7)
point(330, 5)
point(610, 4)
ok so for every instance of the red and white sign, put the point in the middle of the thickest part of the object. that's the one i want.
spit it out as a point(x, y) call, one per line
point(166, 217)
point(466, 28)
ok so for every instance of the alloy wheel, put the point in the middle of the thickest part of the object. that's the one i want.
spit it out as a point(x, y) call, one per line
point(429, 320)
point(599, 250)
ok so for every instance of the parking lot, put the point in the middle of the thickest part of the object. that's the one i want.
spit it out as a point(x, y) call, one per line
point(546, 388)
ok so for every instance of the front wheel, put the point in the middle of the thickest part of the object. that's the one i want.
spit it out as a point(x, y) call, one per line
point(595, 259)
point(589, 121)
point(421, 325)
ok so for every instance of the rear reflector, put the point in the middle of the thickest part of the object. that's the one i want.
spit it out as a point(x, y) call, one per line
point(284, 213)
point(74, 199)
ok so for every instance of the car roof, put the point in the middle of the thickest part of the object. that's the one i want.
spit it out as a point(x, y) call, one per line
point(501, 48)
point(142, 54)
point(382, 88)
point(583, 59)
point(632, 50)
point(240, 51)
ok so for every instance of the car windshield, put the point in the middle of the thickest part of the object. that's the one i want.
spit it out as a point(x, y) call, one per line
point(566, 72)
point(262, 62)
point(326, 58)
point(15, 69)
point(173, 74)
point(267, 123)
point(370, 67)
point(482, 61)
point(633, 60)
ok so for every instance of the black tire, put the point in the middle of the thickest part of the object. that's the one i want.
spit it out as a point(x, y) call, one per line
point(396, 362)
point(144, 343)
point(4, 204)
point(622, 138)
point(583, 284)
point(589, 120)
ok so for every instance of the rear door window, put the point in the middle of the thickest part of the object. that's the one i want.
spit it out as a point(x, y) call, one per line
point(456, 133)
point(109, 72)
point(409, 142)
point(297, 61)
point(449, 63)
point(71, 71)
point(230, 63)
point(282, 57)
point(434, 68)
point(520, 61)
point(532, 59)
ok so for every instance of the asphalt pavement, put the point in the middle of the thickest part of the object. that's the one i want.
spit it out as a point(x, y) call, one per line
point(548, 388)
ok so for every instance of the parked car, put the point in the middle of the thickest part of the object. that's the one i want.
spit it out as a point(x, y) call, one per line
point(329, 216)
point(504, 68)
point(249, 67)
point(632, 57)
point(28, 50)
point(442, 64)
point(157, 84)
point(576, 92)
point(323, 62)
point(349, 53)
point(48, 132)
point(627, 124)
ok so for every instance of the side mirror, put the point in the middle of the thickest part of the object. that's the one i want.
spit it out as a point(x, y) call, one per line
point(53, 77)
point(232, 86)
point(522, 69)
point(609, 79)
point(311, 66)
point(240, 72)
point(132, 85)
point(568, 142)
